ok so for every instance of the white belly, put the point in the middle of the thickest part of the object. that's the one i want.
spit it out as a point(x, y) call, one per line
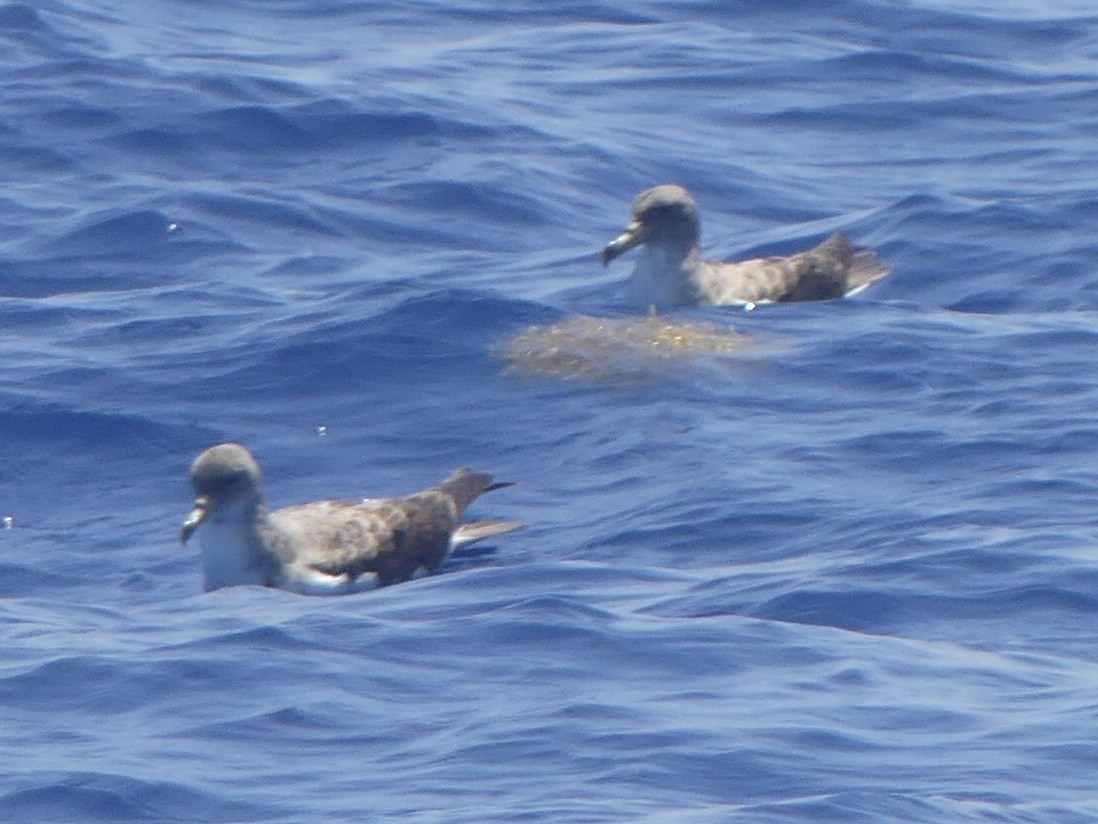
point(226, 557)
point(657, 280)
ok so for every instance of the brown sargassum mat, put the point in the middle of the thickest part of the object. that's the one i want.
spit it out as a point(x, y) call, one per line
point(587, 348)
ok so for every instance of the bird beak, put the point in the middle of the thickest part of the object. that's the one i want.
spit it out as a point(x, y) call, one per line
point(203, 506)
point(634, 235)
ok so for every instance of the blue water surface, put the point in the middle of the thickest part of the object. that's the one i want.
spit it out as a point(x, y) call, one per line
point(853, 579)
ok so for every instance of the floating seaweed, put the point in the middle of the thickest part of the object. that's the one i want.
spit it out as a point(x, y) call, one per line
point(616, 349)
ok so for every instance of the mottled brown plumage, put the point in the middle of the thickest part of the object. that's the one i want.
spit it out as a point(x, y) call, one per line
point(325, 547)
point(670, 271)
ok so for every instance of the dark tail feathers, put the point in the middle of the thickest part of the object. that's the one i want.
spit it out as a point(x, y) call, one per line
point(861, 265)
point(465, 486)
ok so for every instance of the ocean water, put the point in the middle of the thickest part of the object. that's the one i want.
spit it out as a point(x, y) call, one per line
point(851, 576)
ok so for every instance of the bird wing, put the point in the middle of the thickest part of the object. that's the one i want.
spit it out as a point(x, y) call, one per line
point(830, 270)
point(762, 280)
point(391, 537)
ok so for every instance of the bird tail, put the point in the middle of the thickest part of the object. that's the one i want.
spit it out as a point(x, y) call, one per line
point(861, 265)
point(465, 486)
point(473, 531)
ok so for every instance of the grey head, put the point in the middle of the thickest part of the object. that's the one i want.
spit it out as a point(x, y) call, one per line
point(225, 476)
point(665, 216)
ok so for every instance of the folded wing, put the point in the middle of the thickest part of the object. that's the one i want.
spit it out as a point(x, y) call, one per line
point(831, 270)
point(392, 538)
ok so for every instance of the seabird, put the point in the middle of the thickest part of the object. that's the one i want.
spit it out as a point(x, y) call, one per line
point(324, 547)
point(671, 272)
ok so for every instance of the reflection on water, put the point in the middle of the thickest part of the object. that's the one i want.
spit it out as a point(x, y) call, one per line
point(617, 349)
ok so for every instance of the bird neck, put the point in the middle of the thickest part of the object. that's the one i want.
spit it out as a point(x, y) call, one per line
point(663, 275)
point(233, 552)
